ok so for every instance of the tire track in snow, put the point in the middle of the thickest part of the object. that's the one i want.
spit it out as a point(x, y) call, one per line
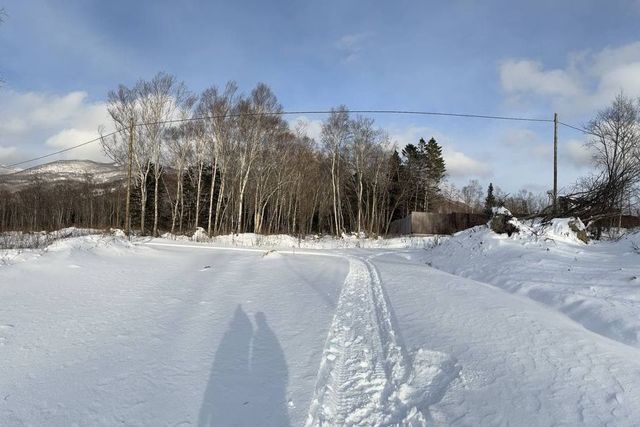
point(366, 377)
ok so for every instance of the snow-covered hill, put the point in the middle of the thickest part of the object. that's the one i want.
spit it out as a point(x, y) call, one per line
point(64, 170)
point(5, 170)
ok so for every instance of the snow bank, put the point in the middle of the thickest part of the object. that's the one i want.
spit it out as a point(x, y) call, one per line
point(311, 241)
point(567, 230)
point(19, 246)
point(91, 242)
point(41, 239)
point(596, 284)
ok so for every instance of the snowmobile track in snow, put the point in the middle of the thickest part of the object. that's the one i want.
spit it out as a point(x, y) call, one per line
point(366, 377)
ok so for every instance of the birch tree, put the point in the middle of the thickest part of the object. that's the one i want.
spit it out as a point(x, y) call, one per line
point(336, 133)
point(258, 120)
point(159, 100)
point(180, 148)
point(218, 108)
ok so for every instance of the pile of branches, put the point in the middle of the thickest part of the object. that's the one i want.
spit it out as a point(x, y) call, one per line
point(596, 199)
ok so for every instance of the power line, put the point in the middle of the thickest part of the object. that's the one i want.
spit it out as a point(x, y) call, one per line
point(63, 151)
point(430, 113)
point(406, 112)
point(285, 113)
point(579, 129)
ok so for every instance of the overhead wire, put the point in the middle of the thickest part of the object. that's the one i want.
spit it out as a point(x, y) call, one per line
point(300, 112)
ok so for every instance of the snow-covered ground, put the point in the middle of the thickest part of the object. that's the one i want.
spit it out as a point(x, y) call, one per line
point(251, 240)
point(595, 284)
point(99, 331)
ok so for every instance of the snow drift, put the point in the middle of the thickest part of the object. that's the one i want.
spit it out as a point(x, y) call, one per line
point(549, 263)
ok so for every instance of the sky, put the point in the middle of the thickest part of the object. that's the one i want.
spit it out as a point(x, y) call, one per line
point(58, 60)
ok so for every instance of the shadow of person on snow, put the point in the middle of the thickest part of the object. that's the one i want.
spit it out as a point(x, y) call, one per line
point(270, 376)
point(225, 397)
point(249, 377)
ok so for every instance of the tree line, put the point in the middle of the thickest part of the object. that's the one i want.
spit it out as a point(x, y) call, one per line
point(228, 162)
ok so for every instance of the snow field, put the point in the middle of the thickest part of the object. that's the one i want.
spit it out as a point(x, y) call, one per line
point(99, 331)
point(117, 334)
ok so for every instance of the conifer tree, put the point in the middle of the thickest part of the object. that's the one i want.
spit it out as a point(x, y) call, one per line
point(490, 201)
point(435, 170)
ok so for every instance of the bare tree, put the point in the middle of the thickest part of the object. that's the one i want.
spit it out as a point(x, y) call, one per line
point(472, 195)
point(336, 133)
point(180, 148)
point(219, 109)
point(160, 98)
point(615, 142)
point(122, 105)
point(259, 121)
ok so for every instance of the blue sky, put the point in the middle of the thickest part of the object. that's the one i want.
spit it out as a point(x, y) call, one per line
point(59, 59)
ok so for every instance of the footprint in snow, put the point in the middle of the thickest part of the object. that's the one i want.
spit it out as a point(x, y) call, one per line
point(272, 253)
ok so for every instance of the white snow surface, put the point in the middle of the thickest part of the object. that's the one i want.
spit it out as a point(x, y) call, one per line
point(597, 285)
point(251, 240)
point(97, 330)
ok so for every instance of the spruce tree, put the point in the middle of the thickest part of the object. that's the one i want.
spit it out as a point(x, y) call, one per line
point(413, 166)
point(396, 172)
point(490, 201)
point(435, 170)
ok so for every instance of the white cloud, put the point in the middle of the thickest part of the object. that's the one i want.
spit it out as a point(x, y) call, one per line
point(71, 137)
point(459, 165)
point(518, 137)
point(38, 123)
point(578, 155)
point(521, 143)
point(529, 76)
point(542, 151)
point(6, 154)
point(311, 127)
point(587, 82)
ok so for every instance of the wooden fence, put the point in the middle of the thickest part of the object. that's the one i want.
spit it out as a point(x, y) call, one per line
point(436, 223)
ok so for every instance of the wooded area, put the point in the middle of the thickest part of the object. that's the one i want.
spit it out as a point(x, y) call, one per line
point(230, 162)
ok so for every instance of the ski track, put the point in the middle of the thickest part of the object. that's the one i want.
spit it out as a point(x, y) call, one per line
point(366, 377)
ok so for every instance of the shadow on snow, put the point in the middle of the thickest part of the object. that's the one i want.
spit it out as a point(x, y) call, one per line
point(249, 377)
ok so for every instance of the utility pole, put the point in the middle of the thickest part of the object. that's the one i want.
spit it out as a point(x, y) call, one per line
point(555, 162)
point(128, 205)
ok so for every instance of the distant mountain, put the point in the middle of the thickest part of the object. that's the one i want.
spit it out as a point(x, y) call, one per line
point(64, 170)
point(4, 170)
